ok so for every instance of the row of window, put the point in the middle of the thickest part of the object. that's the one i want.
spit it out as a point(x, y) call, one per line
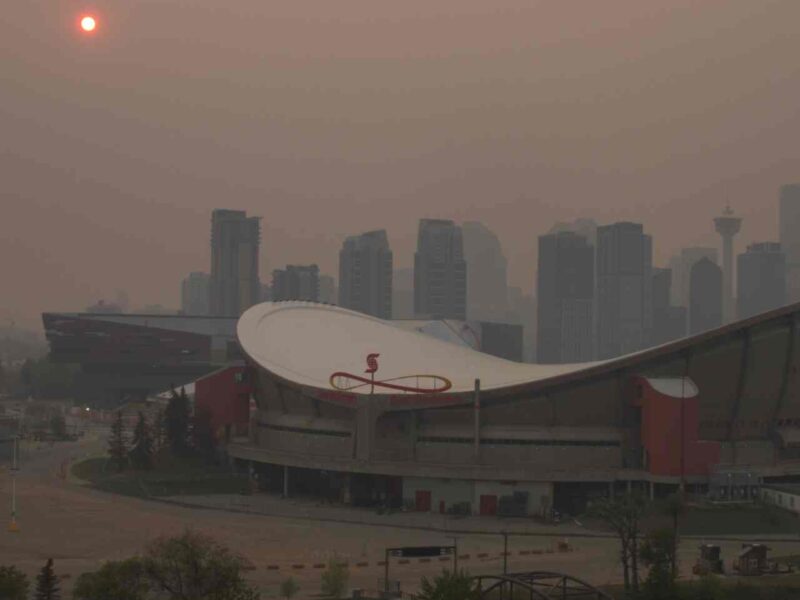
point(326, 432)
point(753, 424)
point(520, 442)
point(780, 498)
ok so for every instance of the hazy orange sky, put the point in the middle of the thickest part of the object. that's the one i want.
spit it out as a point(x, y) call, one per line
point(329, 118)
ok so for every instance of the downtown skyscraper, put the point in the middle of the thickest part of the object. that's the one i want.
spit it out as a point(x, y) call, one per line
point(195, 293)
point(624, 262)
point(295, 282)
point(789, 218)
point(565, 291)
point(440, 271)
point(365, 274)
point(487, 281)
point(235, 241)
point(761, 279)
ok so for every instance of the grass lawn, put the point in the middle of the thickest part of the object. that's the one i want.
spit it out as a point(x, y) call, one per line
point(170, 477)
point(720, 520)
point(751, 519)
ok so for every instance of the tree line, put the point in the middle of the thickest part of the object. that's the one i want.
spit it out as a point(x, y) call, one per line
point(174, 428)
point(190, 566)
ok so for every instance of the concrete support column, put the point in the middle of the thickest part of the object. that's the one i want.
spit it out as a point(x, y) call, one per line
point(629, 485)
point(652, 491)
point(346, 496)
point(367, 413)
point(477, 416)
point(285, 481)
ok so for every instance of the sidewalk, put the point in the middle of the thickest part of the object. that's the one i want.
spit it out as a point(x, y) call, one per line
point(305, 509)
point(275, 506)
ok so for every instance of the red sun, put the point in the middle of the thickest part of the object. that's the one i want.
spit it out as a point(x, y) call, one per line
point(88, 23)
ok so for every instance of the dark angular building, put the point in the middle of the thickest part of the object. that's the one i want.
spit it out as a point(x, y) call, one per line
point(565, 289)
point(365, 274)
point(669, 322)
point(235, 241)
point(624, 289)
point(761, 280)
point(705, 296)
point(789, 221)
point(440, 271)
point(296, 282)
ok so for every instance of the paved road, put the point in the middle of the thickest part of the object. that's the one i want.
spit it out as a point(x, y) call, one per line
point(80, 528)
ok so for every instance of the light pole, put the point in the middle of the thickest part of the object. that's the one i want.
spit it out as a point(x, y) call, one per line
point(455, 552)
point(13, 527)
point(505, 552)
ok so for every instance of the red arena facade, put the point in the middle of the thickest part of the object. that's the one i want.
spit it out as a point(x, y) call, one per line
point(354, 408)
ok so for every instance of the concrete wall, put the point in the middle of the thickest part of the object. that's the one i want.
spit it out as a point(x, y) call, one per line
point(450, 492)
point(782, 499)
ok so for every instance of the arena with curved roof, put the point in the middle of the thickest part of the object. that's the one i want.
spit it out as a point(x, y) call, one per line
point(369, 412)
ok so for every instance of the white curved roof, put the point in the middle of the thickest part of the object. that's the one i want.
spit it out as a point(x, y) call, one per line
point(677, 387)
point(307, 342)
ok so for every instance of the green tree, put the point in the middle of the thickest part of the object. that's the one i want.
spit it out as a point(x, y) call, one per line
point(141, 453)
point(289, 588)
point(623, 515)
point(657, 553)
point(335, 578)
point(176, 422)
point(194, 567)
point(117, 445)
point(123, 580)
point(13, 584)
point(47, 583)
point(58, 426)
point(449, 586)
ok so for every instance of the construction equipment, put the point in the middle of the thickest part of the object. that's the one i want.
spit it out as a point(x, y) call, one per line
point(753, 560)
point(710, 561)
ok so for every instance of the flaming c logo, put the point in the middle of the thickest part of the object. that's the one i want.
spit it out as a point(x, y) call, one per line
point(372, 363)
point(423, 384)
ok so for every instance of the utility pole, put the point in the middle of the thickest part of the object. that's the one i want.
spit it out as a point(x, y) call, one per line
point(455, 552)
point(13, 527)
point(505, 553)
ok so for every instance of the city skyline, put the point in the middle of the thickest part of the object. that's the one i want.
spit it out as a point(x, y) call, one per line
point(544, 118)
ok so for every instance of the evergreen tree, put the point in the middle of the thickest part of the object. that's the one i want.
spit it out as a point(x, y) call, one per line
point(117, 447)
point(203, 434)
point(176, 422)
point(141, 453)
point(47, 583)
point(158, 431)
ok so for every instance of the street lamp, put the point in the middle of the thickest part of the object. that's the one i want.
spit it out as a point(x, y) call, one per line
point(505, 552)
point(13, 527)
